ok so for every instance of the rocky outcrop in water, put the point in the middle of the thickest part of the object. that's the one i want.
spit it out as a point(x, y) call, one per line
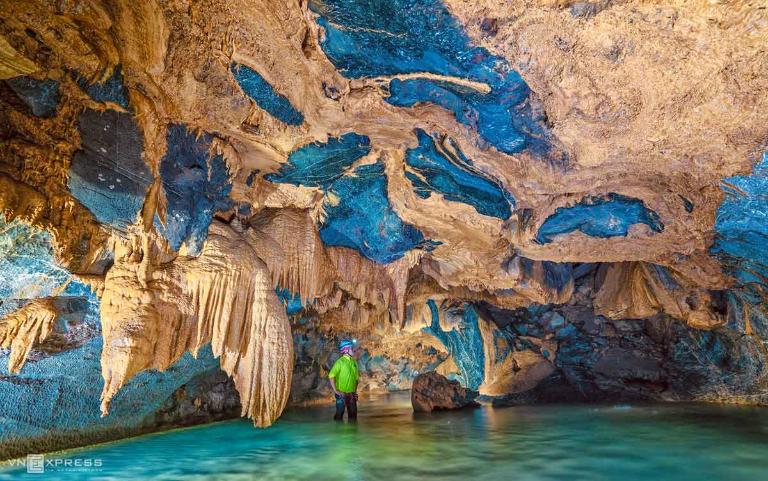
point(208, 397)
point(539, 199)
point(434, 392)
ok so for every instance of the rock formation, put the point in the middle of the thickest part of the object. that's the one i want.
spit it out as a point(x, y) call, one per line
point(433, 392)
point(26, 328)
point(544, 200)
point(153, 310)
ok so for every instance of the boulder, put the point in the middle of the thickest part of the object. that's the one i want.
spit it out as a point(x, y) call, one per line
point(432, 391)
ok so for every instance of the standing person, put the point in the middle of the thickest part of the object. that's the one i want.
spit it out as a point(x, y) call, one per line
point(343, 377)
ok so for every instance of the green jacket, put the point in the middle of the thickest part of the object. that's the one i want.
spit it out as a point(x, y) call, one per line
point(344, 372)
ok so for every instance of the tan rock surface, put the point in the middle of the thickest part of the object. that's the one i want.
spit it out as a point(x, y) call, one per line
point(654, 100)
point(23, 329)
point(154, 310)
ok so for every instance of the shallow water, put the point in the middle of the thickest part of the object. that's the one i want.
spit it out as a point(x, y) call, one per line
point(573, 442)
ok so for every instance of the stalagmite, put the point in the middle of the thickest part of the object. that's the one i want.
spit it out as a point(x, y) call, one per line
point(24, 328)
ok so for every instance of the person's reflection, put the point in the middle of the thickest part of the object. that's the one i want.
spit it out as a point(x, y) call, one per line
point(347, 458)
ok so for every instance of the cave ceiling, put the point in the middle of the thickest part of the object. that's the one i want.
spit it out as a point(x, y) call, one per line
point(368, 156)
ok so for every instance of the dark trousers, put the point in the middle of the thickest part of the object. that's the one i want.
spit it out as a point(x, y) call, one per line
point(348, 400)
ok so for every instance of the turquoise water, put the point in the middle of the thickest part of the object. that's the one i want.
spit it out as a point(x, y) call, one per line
point(389, 442)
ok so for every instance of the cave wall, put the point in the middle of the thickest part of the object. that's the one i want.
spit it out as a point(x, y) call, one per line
point(546, 200)
point(535, 354)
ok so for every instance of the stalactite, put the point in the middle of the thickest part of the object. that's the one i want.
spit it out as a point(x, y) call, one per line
point(12, 63)
point(154, 310)
point(287, 240)
point(422, 287)
point(638, 290)
point(483, 187)
point(381, 285)
point(24, 328)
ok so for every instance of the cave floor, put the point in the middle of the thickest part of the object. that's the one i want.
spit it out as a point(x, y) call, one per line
point(552, 442)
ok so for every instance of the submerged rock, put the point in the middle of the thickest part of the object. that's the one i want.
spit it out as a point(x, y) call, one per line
point(432, 391)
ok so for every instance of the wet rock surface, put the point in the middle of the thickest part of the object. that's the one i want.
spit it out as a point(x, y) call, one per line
point(653, 359)
point(434, 392)
point(208, 397)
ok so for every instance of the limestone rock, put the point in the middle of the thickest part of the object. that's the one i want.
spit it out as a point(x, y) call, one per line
point(224, 296)
point(432, 391)
point(544, 198)
point(25, 328)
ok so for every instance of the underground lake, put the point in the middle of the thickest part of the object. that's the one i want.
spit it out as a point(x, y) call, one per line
point(630, 442)
point(519, 239)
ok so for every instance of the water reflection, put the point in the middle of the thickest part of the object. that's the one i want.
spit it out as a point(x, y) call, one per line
point(389, 442)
